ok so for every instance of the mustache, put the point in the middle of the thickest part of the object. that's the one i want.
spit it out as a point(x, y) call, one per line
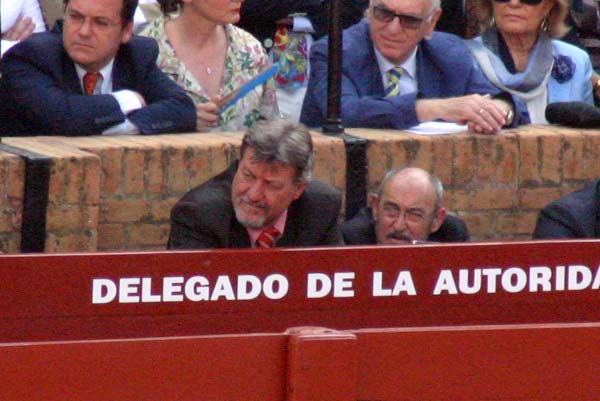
point(399, 235)
point(257, 204)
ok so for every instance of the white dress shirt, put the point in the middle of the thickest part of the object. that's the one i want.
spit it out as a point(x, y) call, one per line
point(11, 10)
point(128, 99)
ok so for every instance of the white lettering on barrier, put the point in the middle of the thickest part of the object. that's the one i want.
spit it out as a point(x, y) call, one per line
point(195, 289)
point(128, 288)
point(319, 285)
point(404, 283)
point(172, 289)
point(103, 291)
point(246, 287)
point(276, 286)
point(516, 279)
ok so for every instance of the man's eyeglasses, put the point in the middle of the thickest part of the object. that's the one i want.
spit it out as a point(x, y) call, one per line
point(386, 15)
point(412, 216)
point(526, 2)
point(96, 23)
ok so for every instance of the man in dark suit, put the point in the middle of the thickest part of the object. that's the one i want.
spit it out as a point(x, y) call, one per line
point(577, 215)
point(265, 199)
point(46, 78)
point(397, 72)
point(408, 207)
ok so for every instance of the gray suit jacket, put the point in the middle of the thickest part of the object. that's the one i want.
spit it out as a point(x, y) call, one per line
point(204, 217)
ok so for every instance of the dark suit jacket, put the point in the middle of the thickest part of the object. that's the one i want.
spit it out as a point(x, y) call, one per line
point(575, 216)
point(360, 230)
point(204, 217)
point(444, 69)
point(40, 92)
point(259, 16)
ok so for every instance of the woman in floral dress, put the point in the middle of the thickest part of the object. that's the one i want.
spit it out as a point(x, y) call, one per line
point(202, 51)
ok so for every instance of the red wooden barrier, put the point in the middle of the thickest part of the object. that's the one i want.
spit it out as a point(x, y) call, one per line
point(477, 363)
point(100, 296)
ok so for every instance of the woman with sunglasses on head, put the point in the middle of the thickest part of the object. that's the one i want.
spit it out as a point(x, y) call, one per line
point(210, 58)
point(519, 54)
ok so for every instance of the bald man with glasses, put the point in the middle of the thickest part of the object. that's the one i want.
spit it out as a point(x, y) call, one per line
point(397, 72)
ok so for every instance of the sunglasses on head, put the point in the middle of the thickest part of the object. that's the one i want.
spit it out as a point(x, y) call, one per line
point(526, 2)
point(386, 15)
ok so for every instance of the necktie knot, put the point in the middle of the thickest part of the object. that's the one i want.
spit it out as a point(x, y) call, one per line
point(267, 238)
point(90, 79)
point(393, 85)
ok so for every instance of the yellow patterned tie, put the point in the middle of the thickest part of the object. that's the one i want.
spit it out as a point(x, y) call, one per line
point(393, 85)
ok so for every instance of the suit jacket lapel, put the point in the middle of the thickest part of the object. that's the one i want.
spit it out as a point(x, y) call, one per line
point(428, 76)
point(372, 69)
point(293, 226)
point(238, 235)
point(362, 65)
point(69, 75)
point(122, 75)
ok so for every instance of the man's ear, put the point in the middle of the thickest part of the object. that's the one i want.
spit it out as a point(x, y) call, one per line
point(373, 203)
point(434, 19)
point(438, 219)
point(300, 187)
point(126, 32)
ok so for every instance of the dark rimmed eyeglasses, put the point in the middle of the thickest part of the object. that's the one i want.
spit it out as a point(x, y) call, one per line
point(386, 15)
point(526, 2)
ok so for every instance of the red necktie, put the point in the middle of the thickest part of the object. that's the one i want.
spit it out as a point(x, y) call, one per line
point(267, 238)
point(89, 82)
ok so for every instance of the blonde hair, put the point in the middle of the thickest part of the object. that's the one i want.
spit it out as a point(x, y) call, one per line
point(555, 22)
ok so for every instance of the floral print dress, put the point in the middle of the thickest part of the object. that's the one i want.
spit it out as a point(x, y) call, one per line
point(244, 60)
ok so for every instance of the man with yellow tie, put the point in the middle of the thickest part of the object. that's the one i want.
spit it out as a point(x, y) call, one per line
point(95, 78)
point(397, 72)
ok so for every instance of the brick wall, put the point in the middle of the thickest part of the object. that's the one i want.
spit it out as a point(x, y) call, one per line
point(12, 177)
point(115, 193)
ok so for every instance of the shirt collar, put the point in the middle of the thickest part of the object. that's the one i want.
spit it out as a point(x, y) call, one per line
point(409, 65)
point(279, 225)
point(106, 71)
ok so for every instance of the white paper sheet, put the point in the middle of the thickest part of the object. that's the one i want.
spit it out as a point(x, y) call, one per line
point(437, 128)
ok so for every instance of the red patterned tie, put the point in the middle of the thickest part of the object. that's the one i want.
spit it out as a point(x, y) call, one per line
point(267, 238)
point(89, 82)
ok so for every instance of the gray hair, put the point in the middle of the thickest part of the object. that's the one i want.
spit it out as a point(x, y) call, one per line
point(435, 182)
point(281, 141)
point(435, 5)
